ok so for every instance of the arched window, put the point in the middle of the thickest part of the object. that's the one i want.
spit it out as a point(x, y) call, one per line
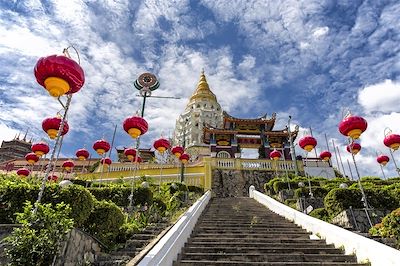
point(223, 154)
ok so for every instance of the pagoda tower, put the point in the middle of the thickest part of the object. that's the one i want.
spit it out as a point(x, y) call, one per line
point(202, 109)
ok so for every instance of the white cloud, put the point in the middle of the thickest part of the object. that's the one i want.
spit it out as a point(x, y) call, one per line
point(320, 32)
point(381, 97)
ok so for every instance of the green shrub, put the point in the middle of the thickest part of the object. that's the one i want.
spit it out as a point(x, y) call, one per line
point(120, 194)
point(37, 241)
point(291, 203)
point(339, 199)
point(320, 213)
point(318, 192)
point(198, 190)
point(268, 187)
point(104, 221)
point(81, 201)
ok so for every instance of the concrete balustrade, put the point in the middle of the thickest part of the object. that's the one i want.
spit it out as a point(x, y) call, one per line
point(167, 249)
point(364, 248)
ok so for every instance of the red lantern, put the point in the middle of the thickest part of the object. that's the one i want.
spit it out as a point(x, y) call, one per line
point(392, 141)
point(52, 178)
point(40, 148)
point(308, 143)
point(23, 172)
point(101, 146)
point(177, 151)
point(130, 153)
point(135, 126)
point(275, 155)
point(161, 145)
point(52, 125)
point(383, 159)
point(353, 126)
point(32, 158)
point(353, 148)
point(68, 165)
point(184, 158)
point(325, 155)
point(82, 154)
point(59, 75)
point(106, 161)
point(138, 160)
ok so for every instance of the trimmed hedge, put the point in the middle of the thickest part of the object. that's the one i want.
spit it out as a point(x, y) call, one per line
point(339, 199)
point(13, 195)
point(320, 213)
point(105, 221)
point(120, 195)
point(318, 192)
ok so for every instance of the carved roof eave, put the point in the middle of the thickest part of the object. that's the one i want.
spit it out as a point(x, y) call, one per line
point(283, 133)
point(261, 120)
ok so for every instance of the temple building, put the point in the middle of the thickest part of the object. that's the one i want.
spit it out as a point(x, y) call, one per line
point(202, 109)
point(205, 129)
point(237, 133)
point(15, 148)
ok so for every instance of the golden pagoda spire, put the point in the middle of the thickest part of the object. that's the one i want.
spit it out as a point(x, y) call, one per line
point(203, 90)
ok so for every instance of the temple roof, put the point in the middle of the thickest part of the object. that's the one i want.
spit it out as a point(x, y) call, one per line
point(261, 120)
point(203, 90)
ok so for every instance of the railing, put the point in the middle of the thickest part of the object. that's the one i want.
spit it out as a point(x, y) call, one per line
point(254, 164)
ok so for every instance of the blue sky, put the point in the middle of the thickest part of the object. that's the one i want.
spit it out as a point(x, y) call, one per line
point(309, 59)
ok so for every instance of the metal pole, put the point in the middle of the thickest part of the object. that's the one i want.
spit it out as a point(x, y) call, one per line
point(292, 151)
point(53, 154)
point(337, 159)
point(351, 172)
point(286, 170)
point(364, 198)
point(394, 161)
point(308, 177)
point(183, 146)
point(315, 150)
point(326, 140)
point(383, 173)
point(341, 162)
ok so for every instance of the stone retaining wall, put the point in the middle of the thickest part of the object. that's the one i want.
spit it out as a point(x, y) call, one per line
point(356, 219)
point(79, 249)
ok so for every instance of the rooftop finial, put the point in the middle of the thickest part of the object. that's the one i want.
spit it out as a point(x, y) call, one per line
point(202, 71)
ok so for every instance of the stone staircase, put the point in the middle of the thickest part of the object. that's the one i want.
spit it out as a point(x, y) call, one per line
point(240, 231)
point(132, 247)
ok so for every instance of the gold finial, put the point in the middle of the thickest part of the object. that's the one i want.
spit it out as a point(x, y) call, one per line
point(202, 71)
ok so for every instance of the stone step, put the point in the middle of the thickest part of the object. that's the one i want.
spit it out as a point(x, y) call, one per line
point(247, 239)
point(219, 263)
point(246, 224)
point(247, 230)
point(262, 250)
point(254, 235)
point(273, 242)
point(136, 243)
point(276, 257)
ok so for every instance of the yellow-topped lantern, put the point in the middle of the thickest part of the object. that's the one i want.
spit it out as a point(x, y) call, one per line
point(82, 154)
point(353, 126)
point(325, 155)
point(135, 126)
point(40, 148)
point(184, 158)
point(68, 165)
point(23, 172)
point(382, 159)
point(101, 146)
point(275, 155)
point(177, 151)
point(31, 158)
point(392, 141)
point(52, 125)
point(161, 145)
point(308, 143)
point(354, 148)
point(59, 75)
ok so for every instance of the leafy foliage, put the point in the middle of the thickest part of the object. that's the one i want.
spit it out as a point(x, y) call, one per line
point(37, 241)
point(120, 194)
point(104, 221)
point(321, 214)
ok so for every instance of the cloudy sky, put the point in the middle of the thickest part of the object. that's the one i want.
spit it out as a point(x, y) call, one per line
point(308, 59)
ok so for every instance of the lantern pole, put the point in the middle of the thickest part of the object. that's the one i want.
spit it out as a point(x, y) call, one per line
point(53, 153)
point(386, 132)
point(286, 170)
point(308, 177)
point(341, 162)
point(383, 173)
point(292, 151)
point(351, 172)
point(336, 156)
point(364, 197)
point(183, 146)
point(135, 167)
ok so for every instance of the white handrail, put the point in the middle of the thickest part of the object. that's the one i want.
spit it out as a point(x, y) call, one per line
point(364, 248)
